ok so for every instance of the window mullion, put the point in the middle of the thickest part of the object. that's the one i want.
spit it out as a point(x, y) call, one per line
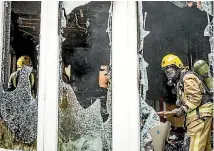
point(1, 34)
point(125, 100)
point(49, 77)
point(132, 68)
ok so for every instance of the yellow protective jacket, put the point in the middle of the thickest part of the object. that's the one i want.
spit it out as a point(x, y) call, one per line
point(13, 80)
point(194, 101)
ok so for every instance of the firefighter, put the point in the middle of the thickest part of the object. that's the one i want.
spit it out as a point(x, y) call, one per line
point(13, 80)
point(195, 103)
point(7, 139)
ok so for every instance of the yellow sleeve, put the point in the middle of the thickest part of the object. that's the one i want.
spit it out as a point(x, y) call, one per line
point(192, 93)
point(32, 79)
point(10, 81)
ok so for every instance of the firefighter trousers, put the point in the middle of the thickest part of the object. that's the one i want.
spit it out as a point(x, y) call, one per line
point(198, 136)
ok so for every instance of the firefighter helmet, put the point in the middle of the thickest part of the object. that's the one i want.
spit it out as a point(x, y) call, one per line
point(170, 60)
point(24, 61)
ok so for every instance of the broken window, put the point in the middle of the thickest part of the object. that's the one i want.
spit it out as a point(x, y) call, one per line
point(19, 75)
point(85, 76)
point(169, 28)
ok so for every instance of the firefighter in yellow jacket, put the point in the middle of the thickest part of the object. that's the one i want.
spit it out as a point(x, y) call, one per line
point(195, 103)
point(13, 80)
point(7, 140)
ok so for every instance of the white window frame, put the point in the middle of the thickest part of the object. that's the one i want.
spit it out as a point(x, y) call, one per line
point(49, 72)
point(125, 97)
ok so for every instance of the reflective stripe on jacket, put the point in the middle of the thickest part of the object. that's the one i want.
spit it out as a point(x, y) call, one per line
point(191, 93)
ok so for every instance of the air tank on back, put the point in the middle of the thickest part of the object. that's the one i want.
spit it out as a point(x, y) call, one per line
point(202, 69)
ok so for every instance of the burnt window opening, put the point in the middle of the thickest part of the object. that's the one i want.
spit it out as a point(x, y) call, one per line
point(175, 30)
point(25, 35)
point(84, 86)
point(167, 28)
point(19, 108)
point(24, 30)
point(86, 48)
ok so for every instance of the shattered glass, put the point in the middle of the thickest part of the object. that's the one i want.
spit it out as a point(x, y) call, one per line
point(149, 118)
point(82, 128)
point(19, 109)
point(18, 124)
point(147, 143)
point(6, 44)
point(19, 113)
point(180, 4)
point(148, 115)
point(206, 6)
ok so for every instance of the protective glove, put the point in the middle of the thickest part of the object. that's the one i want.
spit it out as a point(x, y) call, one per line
point(178, 112)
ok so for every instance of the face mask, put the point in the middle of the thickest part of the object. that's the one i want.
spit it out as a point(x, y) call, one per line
point(171, 73)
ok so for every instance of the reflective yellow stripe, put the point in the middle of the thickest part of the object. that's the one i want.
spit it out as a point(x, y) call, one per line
point(203, 110)
point(191, 113)
point(14, 80)
point(32, 77)
point(190, 105)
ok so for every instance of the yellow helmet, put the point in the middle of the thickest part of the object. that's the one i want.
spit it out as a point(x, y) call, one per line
point(171, 59)
point(24, 61)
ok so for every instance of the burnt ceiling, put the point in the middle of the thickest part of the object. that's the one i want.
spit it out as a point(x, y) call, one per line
point(86, 45)
point(27, 17)
point(26, 7)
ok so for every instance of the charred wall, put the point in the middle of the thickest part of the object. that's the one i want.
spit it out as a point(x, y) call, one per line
point(87, 47)
point(25, 23)
point(172, 30)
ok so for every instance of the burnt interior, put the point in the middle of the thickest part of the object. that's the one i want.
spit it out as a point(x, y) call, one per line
point(86, 48)
point(25, 29)
point(172, 30)
point(21, 35)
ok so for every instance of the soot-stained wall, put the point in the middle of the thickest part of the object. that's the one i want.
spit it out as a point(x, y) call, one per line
point(172, 30)
point(24, 39)
point(85, 52)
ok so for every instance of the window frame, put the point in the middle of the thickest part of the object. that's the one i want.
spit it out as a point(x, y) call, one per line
point(125, 106)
